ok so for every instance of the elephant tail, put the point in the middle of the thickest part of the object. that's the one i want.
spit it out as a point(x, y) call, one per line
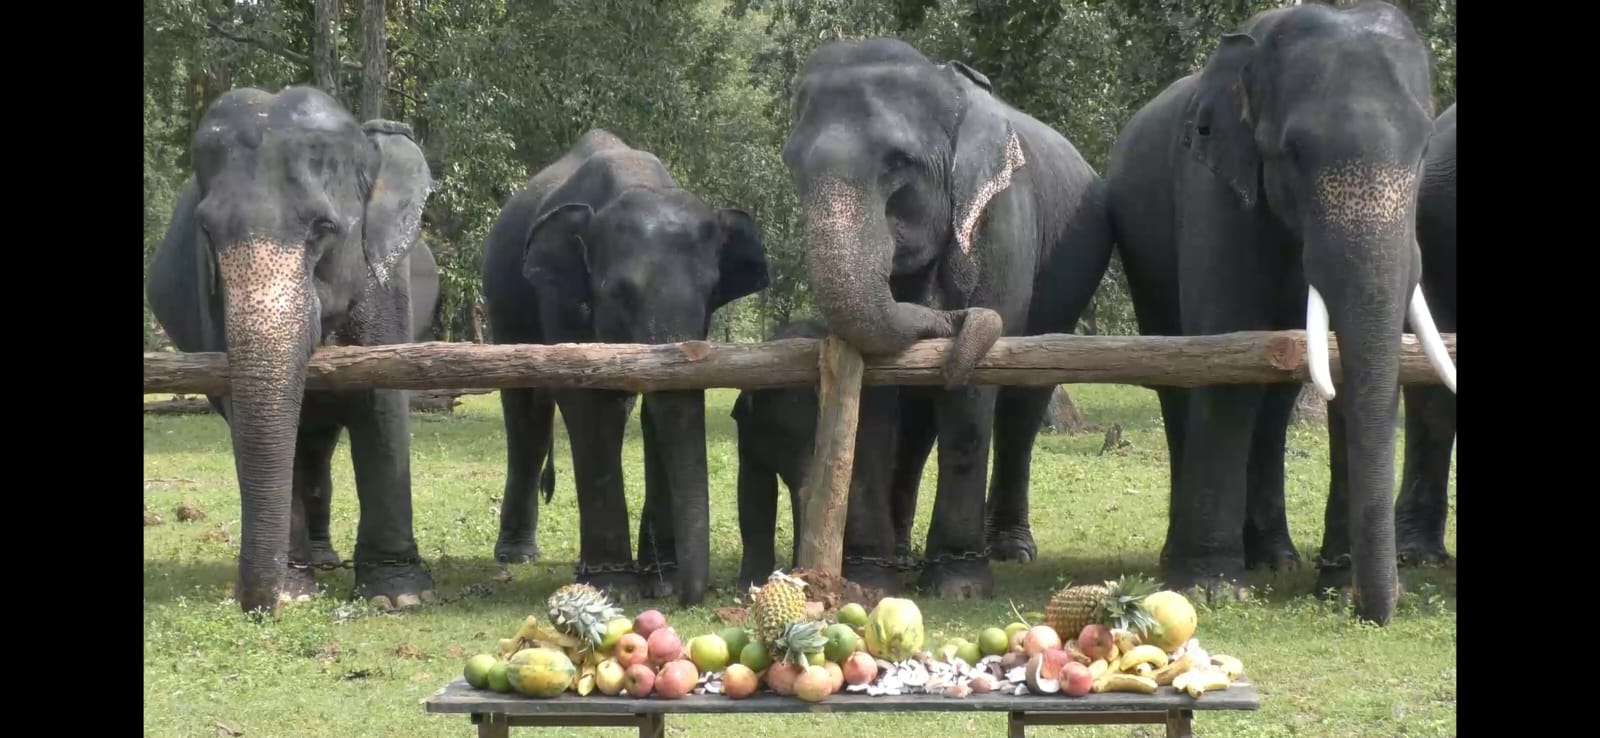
point(547, 479)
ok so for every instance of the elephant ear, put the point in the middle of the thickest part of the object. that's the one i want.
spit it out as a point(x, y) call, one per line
point(556, 257)
point(399, 184)
point(987, 152)
point(1217, 125)
point(742, 261)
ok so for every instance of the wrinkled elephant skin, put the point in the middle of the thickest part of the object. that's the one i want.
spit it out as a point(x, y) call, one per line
point(934, 210)
point(603, 246)
point(1275, 189)
point(298, 229)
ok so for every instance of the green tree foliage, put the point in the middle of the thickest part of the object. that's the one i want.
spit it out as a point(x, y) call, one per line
point(497, 89)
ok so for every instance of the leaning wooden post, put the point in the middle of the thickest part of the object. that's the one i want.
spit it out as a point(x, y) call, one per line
point(825, 496)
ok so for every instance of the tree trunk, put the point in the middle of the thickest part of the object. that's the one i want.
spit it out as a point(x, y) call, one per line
point(825, 495)
point(325, 47)
point(374, 59)
point(1062, 416)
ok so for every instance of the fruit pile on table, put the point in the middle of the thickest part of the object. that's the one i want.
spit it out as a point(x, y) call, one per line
point(1124, 636)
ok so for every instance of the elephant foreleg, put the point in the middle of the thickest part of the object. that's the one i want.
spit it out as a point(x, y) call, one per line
point(1018, 413)
point(758, 514)
point(313, 482)
point(595, 422)
point(657, 541)
point(1205, 541)
point(387, 565)
point(1267, 542)
point(1334, 567)
point(958, 565)
point(869, 533)
point(1424, 503)
point(917, 433)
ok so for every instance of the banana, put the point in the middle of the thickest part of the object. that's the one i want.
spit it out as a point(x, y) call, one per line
point(1124, 683)
point(1116, 653)
point(1231, 666)
point(1166, 674)
point(1144, 669)
point(1205, 679)
point(1145, 654)
point(1125, 640)
point(1098, 668)
point(584, 684)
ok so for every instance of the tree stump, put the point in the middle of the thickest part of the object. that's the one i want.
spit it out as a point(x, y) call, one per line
point(1062, 416)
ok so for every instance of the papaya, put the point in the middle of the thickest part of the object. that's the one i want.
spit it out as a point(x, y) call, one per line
point(541, 672)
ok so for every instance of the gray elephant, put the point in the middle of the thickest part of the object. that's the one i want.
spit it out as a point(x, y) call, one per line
point(934, 210)
point(1275, 190)
point(777, 434)
point(1424, 505)
point(603, 245)
point(296, 231)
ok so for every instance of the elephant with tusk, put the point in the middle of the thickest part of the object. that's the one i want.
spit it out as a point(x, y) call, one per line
point(1276, 189)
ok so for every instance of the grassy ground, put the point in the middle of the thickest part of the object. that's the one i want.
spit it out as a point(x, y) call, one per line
point(333, 668)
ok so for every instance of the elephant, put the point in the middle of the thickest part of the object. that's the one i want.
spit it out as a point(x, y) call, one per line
point(933, 209)
point(777, 434)
point(296, 230)
point(603, 245)
point(1275, 189)
point(1423, 505)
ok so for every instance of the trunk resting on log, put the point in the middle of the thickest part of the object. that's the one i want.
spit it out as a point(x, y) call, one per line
point(1252, 357)
point(825, 496)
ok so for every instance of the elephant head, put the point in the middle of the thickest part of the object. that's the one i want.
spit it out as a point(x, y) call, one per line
point(651, 266)
point(895, 159)
point(302, 212)
point(1322, 116)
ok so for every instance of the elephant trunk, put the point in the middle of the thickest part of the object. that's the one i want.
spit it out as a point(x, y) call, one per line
point(850, 257)
point(269, 306)
point(680, 426)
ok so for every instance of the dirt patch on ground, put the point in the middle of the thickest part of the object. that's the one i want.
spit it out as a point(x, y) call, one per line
point(732, 615)
point(835, 592)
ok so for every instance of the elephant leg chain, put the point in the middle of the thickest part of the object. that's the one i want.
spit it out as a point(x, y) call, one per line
point(913, 563)
point(1342, 561)
point(631, 567)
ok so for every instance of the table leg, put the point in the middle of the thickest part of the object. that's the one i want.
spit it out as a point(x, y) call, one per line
point(652, 725)
point(492, 726)
point(1180, 724)
point(1016, 725)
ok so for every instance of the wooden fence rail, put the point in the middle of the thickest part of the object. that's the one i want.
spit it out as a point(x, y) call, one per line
point(1273, 357)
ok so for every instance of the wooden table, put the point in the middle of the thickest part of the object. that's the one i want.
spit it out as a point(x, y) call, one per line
point(495, 714)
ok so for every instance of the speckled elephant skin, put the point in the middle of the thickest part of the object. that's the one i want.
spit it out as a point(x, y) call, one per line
point(300, 228)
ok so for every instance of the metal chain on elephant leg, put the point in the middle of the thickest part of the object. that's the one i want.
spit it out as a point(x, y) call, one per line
point(912, 563)
point(1342, 561)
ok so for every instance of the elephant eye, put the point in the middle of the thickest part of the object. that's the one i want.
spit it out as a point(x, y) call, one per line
point(323, 227)
point(897, 160)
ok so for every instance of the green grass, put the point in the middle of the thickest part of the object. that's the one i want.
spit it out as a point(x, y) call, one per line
point(334, 668)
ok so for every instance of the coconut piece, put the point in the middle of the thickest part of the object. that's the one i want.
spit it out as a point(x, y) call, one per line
point(1017, 675)
point(1037, 681)
point(958, 690)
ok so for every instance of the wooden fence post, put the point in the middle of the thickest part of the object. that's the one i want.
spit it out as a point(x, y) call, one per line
point(825, 496)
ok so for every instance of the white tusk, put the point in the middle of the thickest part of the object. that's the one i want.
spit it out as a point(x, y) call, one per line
point(1317, 343)
point(1432, 344)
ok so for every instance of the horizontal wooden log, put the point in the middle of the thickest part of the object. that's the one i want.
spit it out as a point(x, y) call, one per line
point(1268, 357)
point(424, 401)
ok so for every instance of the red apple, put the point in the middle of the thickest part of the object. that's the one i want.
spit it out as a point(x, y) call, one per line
point(639, 680)
point(1038, 639)
point(649, 622)
point(1095, 641)
point(781, 676)
point(676, 678)
point(1076, 680)
point(632, 649)
point(664, 646)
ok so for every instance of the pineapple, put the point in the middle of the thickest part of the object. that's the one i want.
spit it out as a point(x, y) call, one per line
point(797, 639)
point(1113, 603)
point(778, 603)
point(582, 611)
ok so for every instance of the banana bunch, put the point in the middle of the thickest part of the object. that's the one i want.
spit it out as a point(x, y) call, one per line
point(532, 634)
point(1144, 668)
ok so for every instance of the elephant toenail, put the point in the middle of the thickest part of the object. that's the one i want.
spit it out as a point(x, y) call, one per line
point(382, 602)
point(428, 596)
point(408, 600)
